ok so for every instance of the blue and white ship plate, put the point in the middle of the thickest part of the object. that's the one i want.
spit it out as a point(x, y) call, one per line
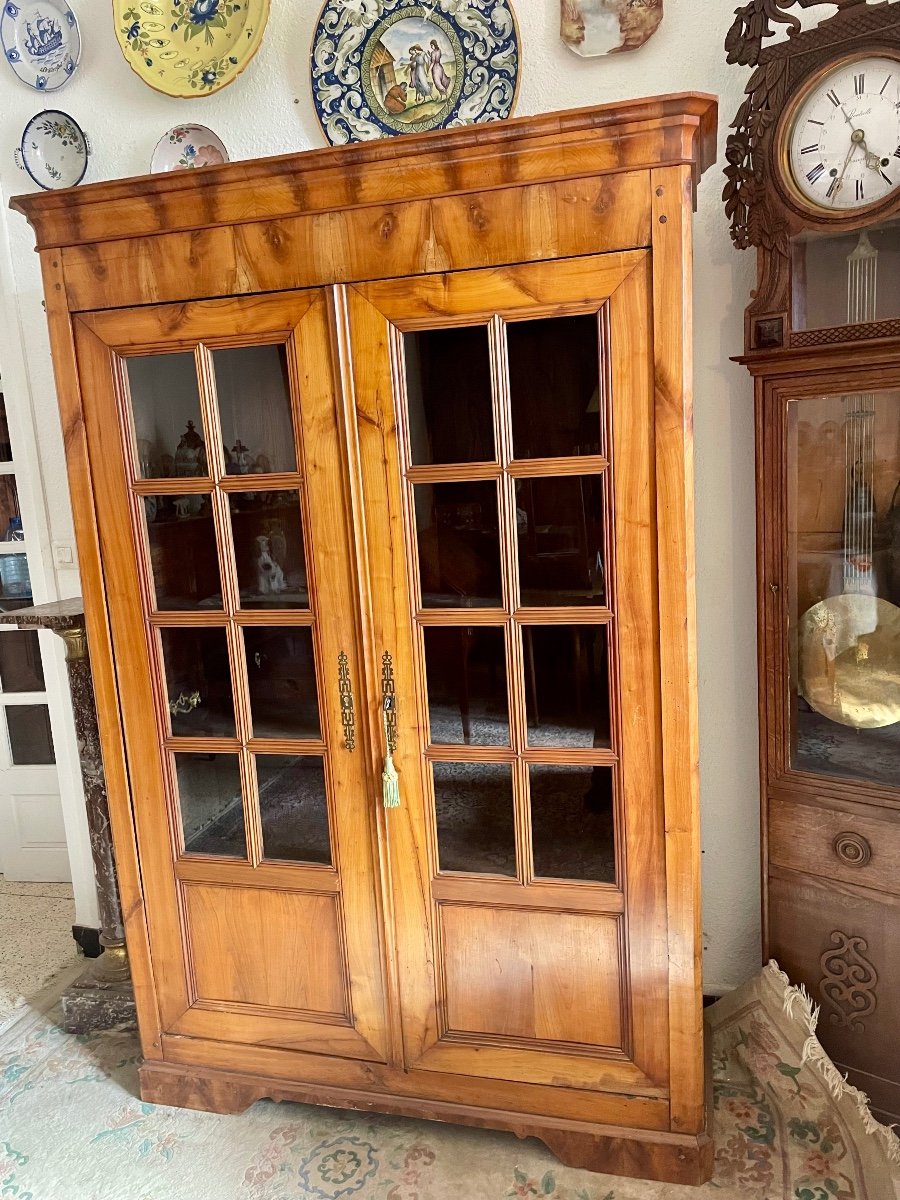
point(381, 67)
point(40, 41)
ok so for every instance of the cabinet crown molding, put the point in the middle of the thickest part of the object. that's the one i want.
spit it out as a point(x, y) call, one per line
point(609, 138)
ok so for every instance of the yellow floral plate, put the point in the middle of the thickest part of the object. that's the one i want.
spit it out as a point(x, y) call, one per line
point(189, 48)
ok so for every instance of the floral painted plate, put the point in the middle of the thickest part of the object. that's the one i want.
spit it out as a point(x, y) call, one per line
point(402, 66)
point(186, 147)
point(40, 41)
point(188, 48)
point(54, 150)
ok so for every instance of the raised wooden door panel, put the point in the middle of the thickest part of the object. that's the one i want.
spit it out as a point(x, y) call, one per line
point(213, 432)
point(505, 432)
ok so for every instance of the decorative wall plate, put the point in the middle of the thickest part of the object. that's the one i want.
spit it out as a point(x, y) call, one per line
point(54, 150)
point(189, 48)
point(186, 147)
point(596, 27)
point(405, 66)
point(41, 42)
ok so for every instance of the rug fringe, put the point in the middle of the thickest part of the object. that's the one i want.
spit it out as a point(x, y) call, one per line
point(797, 997)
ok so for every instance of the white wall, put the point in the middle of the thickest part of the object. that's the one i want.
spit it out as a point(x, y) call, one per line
point(269, 111)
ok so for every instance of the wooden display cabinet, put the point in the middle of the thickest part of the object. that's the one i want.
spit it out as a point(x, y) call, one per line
point(387, 449)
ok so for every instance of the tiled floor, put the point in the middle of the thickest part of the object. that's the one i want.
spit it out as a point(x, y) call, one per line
point(35, 939)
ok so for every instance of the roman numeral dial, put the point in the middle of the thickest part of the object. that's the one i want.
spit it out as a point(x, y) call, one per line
point(843, 142)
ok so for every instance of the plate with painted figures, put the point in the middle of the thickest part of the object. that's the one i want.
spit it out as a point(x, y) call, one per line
point(187, 147)
point(41, 42)
point(189, 48)
point(382, 67)
point(53, 150)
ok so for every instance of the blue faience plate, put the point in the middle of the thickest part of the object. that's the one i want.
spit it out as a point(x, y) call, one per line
point(40, 41)
point(407, 66)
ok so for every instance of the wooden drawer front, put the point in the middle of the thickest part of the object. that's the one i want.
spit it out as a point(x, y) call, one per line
point(862, 850)
point(844, 946)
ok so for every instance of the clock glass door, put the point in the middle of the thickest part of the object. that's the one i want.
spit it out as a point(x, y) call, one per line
point(506, 435)
point(843, 567)
point(214, 440)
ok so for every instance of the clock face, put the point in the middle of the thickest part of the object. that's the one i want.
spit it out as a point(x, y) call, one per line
point(844, 141)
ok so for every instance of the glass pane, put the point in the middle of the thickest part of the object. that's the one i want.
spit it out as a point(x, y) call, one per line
point(20, 661)
point(466, 670)
point(475, 817)
point(567, 686)
point(15, 582)
point(293, 807)
point(198, 682)
point(253, 388)
point(5, 447)
point(823, 260)
point(459, 544)
point(572, 828)
point(267, 529)
point(560, 533)
point(10, 517)
point(554, 381)
point(844, 570)
point(30, 738)
point(212, 807)
point(281, 671)
point(448, 388)
point(165, 401)
point(183, 559)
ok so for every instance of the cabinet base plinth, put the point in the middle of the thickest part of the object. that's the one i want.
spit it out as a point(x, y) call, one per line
point(639, 1154)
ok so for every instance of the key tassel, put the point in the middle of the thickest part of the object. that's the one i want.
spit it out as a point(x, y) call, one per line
point(390, 784)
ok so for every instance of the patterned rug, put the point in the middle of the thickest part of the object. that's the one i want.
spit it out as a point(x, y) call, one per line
point(72, 1128)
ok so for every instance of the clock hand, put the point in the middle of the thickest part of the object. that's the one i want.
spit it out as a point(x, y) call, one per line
point(839, 181)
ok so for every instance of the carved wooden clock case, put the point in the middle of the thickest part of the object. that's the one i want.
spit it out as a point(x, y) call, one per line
point(813, 168)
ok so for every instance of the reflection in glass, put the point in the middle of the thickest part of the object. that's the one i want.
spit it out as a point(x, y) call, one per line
point(198, 682)
point(281, 674)
point(554, 381)
point(820, 259)
point(267, 530)
point(15, 582)
point(844, 538)
point(10, 517)
point(459, 544)
point(165, 401)
point(253, 389)
point(559, 524)
point(294, 808)
point(448, 386)
point(572, 823)
point(20, 661)
point(466, 671)
point(567, 686)
point(475, 817)
point(30, 737)
point(212, 806)
point(181, 535)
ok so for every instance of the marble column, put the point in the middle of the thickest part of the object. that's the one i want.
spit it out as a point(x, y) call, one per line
point(103, 996)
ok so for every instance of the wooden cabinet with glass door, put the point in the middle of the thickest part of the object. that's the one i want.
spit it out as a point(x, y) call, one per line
point(357, 480)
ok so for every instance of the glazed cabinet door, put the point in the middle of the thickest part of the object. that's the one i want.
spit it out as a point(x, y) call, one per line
point(220, 484)
point(505, 434)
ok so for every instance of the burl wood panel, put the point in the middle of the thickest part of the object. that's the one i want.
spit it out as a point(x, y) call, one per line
point(241, 941)
point(545, 976)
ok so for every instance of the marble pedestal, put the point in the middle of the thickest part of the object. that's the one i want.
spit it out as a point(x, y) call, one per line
point(103, 996)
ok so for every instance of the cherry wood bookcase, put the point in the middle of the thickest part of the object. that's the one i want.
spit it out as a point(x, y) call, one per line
point(386, 450)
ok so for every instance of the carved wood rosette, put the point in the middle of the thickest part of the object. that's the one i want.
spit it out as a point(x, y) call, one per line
point(761, 210)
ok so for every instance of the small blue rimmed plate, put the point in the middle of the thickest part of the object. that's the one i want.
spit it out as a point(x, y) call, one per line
point(54, 150)
point(40, 41)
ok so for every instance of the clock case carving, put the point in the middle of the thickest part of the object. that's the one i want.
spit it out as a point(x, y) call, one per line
point(830, 846)
point(758, 201)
